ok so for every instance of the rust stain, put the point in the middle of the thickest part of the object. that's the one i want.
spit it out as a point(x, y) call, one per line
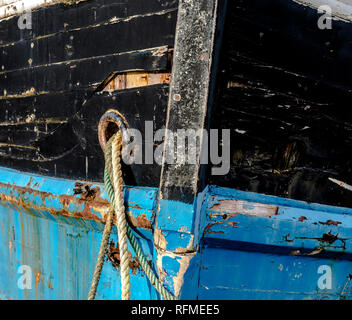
point(302, 218)
point(36, 185)
point(37, 277)
point(30, 182)
point(286, 238)
point(89, 204)
point(98, 204)
point(331, 222)
point(207, 228)
point(37, 280)
point(141, 221)
point(235, 207)
point(328, 238)
point(226, 216)
point(233, 224)
point(50, 286)
point(86, 191)
point(113, 255)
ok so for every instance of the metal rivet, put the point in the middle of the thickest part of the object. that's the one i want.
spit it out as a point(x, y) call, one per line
point(177, 97)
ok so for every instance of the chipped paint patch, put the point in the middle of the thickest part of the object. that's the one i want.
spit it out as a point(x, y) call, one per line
point(235, 207)
point(159, 239)
point(159, 265)
point(183, 261)
point(181, 254)
point(179, 278)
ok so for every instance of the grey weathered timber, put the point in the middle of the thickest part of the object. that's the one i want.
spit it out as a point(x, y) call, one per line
point(187, 109)
point(189, 91)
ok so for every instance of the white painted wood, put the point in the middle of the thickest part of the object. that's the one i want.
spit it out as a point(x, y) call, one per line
point(340, 8)
point(6, 2)
point(9, 8)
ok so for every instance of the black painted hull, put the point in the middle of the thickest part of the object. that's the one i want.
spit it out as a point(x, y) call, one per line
point(58, 69)
point(285, 91)
point(283, 88)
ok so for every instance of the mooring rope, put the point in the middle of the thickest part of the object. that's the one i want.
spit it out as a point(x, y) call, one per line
point(114, 190)
point(121, 222)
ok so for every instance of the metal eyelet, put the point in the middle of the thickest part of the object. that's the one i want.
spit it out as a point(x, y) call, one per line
point(109, 124)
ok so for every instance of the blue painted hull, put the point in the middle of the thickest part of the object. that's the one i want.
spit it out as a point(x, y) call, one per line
point(251, 246)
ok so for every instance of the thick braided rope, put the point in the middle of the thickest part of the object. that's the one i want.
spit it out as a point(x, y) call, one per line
point(134, 243)
point(101, 255)
point(137, 249)
point(120, 216)
point(107, 230)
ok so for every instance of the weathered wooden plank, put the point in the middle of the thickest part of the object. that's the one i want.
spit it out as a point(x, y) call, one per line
point(147, 103)
point(49, 72)
point(63, 17)
point(285, 92)
point(117, 36)
point(82, 73)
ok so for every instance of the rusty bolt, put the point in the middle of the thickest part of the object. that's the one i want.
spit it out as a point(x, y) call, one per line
point(177, 97)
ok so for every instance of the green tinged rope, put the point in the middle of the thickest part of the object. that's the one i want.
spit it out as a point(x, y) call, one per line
point(108, 174)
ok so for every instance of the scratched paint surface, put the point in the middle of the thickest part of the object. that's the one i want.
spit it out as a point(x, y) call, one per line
point(263, 247)
point(61, 249)
point(251, 246)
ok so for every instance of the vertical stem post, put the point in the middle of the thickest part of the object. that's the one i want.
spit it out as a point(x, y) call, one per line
point(177, 217)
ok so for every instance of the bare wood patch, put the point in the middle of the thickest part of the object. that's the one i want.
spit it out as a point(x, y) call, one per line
point(137, 79)
point(235, 207)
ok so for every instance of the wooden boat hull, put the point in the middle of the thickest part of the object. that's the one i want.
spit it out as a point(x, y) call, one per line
point(251, 246)
point(274, 227)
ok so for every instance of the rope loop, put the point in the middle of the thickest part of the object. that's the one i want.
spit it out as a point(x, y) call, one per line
point(114, 187)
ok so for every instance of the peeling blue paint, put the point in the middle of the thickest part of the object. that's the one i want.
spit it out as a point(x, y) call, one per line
point(232, 254)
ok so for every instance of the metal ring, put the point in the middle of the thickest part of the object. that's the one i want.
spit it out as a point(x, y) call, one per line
point(109, 124)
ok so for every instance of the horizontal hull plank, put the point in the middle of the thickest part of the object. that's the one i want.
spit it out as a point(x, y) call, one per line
point(84, 73)
point(75, 162)
point(285, 92)
point(131, 34)
point(62, 16)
